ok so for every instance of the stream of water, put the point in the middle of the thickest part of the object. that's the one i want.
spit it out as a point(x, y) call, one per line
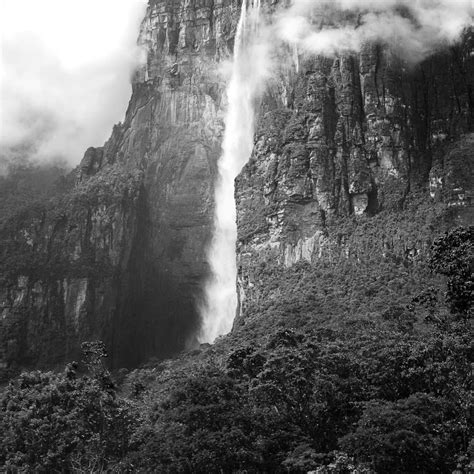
point(220, 305)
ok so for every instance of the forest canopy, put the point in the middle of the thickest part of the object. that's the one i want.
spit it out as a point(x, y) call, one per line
point(389, 397)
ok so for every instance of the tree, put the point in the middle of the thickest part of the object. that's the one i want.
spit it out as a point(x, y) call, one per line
point(59, 421)
point(202, 423)
point(413, 435)
point(453, 256)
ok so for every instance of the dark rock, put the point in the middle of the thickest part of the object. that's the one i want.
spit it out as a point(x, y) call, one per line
point(362, 134)
point(121, 256)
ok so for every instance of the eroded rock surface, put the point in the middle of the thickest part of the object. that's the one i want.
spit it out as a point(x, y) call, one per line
point(120, 255)
point(343, 139)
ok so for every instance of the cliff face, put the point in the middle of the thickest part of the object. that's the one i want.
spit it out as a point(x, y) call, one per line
point(348, 138)
point(120, 254)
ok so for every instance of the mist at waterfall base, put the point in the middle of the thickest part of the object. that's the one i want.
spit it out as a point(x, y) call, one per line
point(412, 29)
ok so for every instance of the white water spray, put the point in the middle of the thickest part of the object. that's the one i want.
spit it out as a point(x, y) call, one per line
point(248, 71)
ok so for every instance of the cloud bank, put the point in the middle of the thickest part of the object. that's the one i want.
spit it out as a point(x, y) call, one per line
point(64, 74)
point(65, 65)
point(414, 28)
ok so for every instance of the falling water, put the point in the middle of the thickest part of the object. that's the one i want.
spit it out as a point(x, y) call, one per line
point(220, 305)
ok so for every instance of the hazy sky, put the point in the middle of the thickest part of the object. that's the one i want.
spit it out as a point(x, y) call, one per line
point(65, 72)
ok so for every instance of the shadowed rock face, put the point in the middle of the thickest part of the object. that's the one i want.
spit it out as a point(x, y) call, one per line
point(119, 252)
point(120, 255)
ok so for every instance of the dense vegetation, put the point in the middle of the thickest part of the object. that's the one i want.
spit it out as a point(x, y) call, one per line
point(287, 392)
point(27, 185)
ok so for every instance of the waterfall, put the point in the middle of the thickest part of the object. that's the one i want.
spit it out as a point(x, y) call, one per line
point(248, 69)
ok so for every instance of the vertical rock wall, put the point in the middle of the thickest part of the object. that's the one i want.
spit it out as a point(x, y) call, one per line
point(120, 255)
point(347, 138)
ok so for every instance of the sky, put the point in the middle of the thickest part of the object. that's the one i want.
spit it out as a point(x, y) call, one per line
point(65, 68)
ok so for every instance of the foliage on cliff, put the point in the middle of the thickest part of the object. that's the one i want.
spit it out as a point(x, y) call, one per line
point(25, 184)
point(34, 225)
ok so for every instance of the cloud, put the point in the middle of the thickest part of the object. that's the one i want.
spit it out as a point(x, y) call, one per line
point(65, 71)
point(65, 65)
point(415, 28)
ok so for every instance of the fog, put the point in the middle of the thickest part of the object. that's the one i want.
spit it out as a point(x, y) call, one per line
point(413, 28)
point(65, 69)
